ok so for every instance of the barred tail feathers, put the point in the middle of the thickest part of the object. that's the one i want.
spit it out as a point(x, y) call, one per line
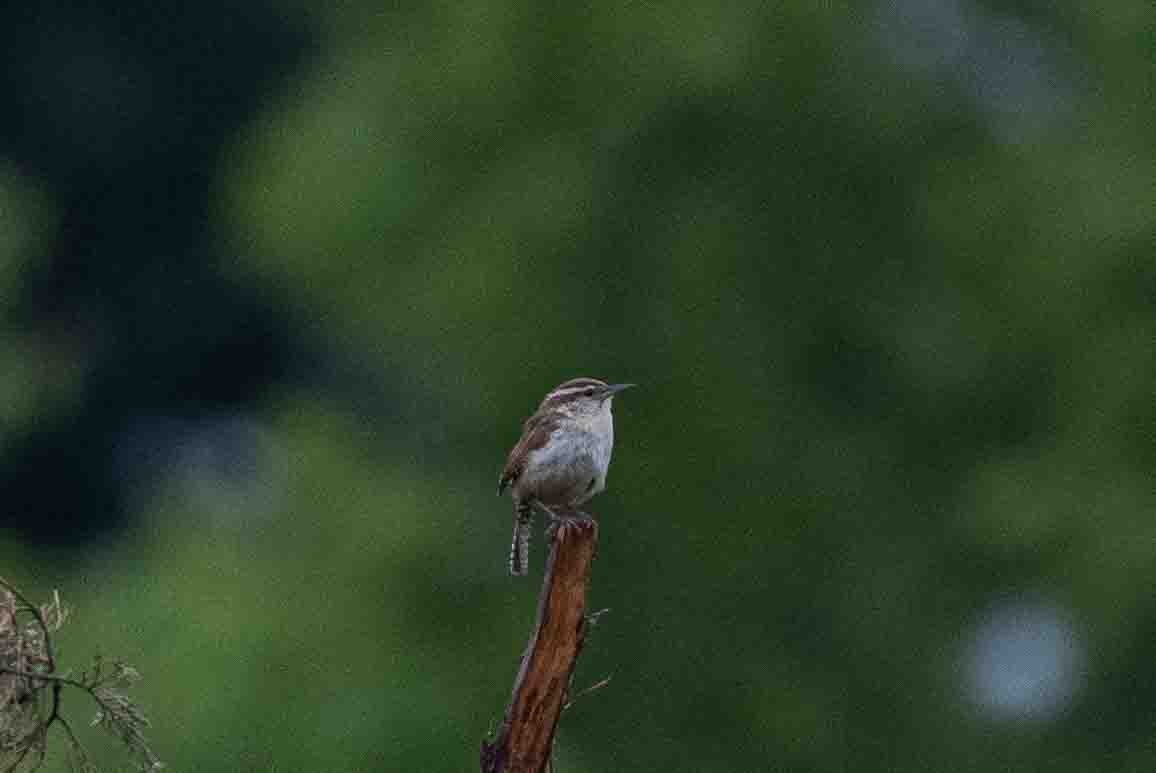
point(520, 547)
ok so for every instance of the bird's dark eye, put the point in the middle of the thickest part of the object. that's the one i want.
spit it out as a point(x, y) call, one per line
point(589, 392)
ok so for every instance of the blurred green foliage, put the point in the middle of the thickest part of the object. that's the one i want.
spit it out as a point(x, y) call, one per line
point(885, 274)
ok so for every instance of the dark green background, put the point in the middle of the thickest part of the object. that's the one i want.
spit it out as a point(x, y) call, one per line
point(279, 281)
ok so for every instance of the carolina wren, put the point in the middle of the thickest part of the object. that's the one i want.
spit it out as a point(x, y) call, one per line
point(561, 459)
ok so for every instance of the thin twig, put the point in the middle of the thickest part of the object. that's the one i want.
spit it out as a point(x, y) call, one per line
point(47, 678)
point(596, 686)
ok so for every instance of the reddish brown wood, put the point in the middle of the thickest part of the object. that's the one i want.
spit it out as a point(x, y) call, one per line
point(526, 737)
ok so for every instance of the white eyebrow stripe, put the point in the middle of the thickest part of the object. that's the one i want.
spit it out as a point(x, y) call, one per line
point(566, 392)
point(574, 386)
point(580, 383)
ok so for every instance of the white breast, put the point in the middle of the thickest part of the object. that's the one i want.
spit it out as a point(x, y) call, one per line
point(572, 466)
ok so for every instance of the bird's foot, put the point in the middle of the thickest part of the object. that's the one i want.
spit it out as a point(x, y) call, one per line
point(566, 517)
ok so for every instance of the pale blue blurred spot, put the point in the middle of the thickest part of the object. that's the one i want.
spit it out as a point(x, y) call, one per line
point(1023, 660)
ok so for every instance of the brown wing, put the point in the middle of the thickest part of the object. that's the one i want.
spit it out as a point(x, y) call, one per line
point(535, 433)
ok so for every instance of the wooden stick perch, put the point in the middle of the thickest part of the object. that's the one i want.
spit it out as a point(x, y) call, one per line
point(526, 737)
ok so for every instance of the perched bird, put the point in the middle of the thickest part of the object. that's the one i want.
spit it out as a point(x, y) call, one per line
point(561, 459)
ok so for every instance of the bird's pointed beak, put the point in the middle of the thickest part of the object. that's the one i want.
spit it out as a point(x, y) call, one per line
point(614, 389)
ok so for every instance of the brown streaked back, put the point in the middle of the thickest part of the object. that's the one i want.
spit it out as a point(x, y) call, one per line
point(535, 434)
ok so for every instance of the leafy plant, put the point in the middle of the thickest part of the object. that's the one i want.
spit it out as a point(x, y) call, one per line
point(32, 691)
